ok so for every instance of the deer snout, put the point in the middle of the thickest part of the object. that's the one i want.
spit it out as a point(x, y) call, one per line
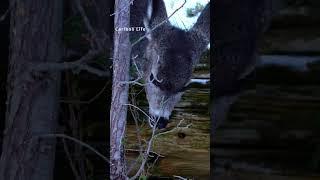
point(162, 123)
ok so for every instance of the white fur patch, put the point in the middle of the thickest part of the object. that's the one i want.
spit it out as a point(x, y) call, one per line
point(148, 29)
point(159, 113)
point(149, 10)
point(146, 20)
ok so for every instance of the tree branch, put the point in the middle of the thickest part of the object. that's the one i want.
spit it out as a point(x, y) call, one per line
point(76, 141)
point(3, 17)
point(88, 101)
point(77, 65)
point(72, 165)
point(148, 149)
point(85, 18)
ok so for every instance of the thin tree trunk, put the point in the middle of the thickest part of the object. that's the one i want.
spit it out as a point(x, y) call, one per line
point(32, 100)
point(118, 111)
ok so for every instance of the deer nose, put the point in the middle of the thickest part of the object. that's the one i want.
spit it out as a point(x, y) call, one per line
point(162, 123)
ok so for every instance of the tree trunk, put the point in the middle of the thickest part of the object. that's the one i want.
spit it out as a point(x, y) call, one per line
point(32, 100)
point(118, 111)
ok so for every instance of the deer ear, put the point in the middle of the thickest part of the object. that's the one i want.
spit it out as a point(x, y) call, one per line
point(159, 12)
point(201, 30)
point(147, 19)
point(146, 24)
point(156, 13)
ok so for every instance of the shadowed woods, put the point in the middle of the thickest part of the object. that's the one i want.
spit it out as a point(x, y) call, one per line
point(270, 130)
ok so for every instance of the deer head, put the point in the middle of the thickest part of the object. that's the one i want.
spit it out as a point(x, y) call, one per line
point(170, 55)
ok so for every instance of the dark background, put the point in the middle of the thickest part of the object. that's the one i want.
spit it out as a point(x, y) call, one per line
point(272, 130)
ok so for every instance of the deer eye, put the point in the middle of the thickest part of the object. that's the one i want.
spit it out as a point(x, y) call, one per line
point(155, 81)
point(151, 77)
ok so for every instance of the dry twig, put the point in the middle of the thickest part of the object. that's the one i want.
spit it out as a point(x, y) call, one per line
point(76, 141)
point(97, 47)
point(3, 17)
point(149, 144)
point(72, 165)
point(78, 65)
point(95, 97)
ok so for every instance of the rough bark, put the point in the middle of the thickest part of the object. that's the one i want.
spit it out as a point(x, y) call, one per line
point(118, 111)
point(32, 100)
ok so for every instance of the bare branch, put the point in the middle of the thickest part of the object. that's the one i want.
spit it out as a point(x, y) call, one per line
point(78, 65)
point(98, 38)
point(146, 153)
point(145, 157)
point(149, 145)
point(135, 82)
point(90, 100)
point(70, 65)
point(140, 75)
point(148, 149)
point(3, 17)
point(76, 141)
point(85, 18)
point(136, 66)
point(153, 152)
point(72, 165)
point(5, 14)
point(138, 109)
point(97, 45)
point(134, 115)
